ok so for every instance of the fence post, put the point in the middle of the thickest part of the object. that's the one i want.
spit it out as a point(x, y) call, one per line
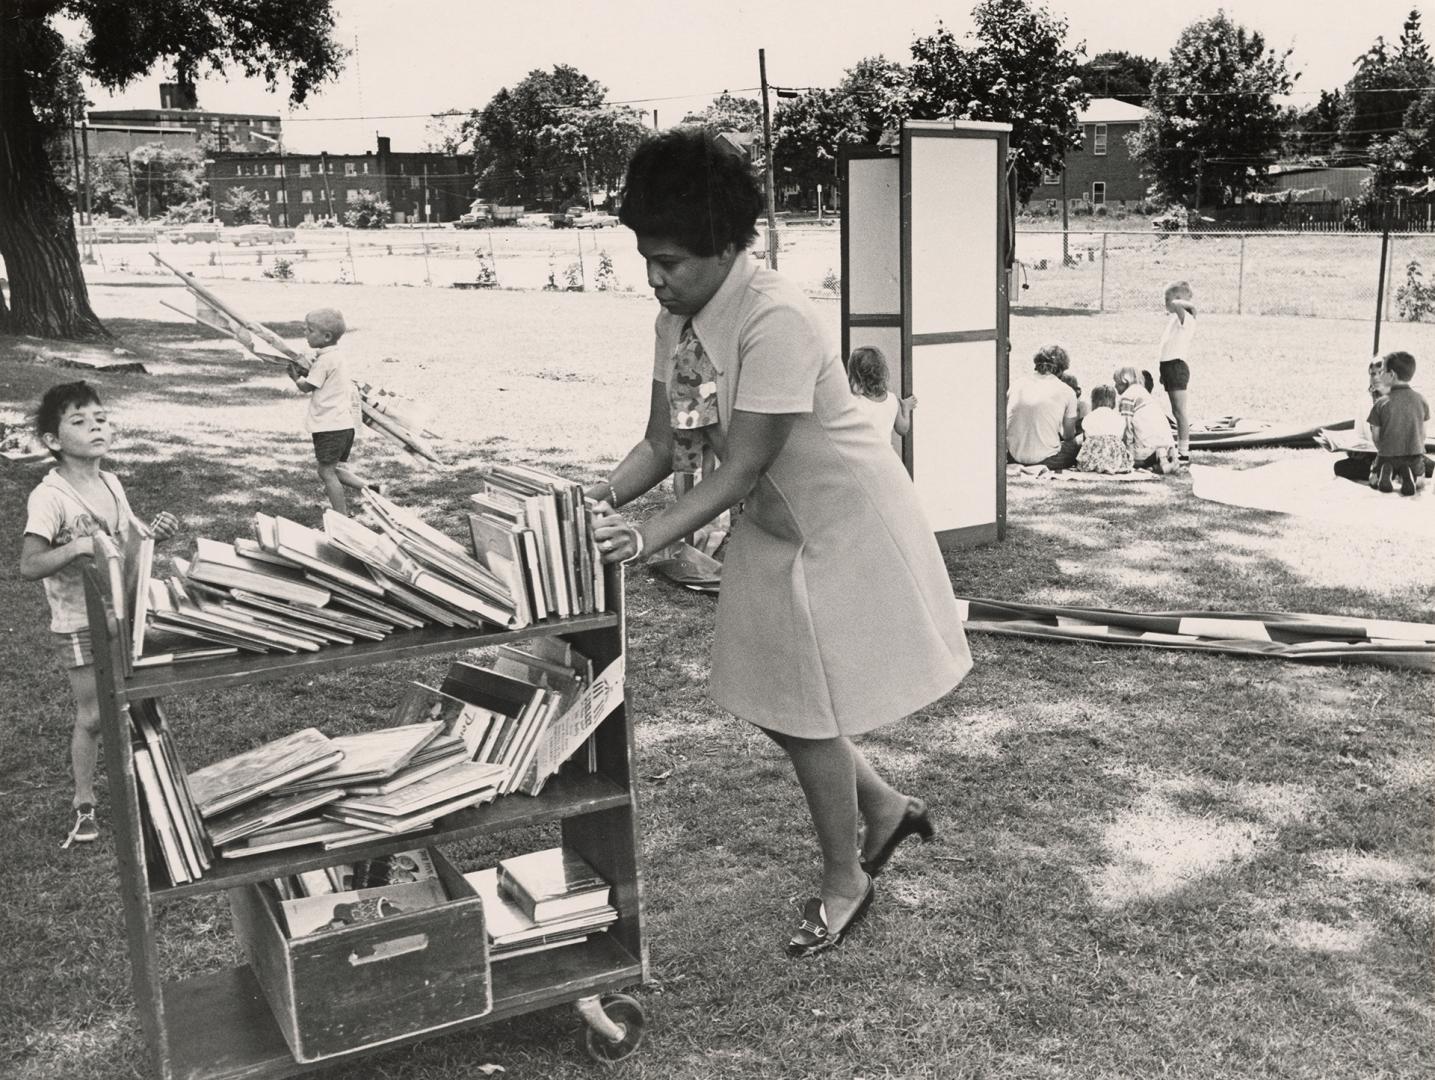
point(1390, 280)
point(424, 238)
point(349, 243)
point(1101, 302)
point(1241, 275)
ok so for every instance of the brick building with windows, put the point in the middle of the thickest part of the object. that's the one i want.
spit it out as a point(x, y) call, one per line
point(1101, 171)
point(179, 111)
point(299, 188)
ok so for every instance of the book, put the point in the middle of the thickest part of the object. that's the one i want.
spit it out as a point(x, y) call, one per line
point(306, 915)
point(314, 883)
point(456, 717)
point(220, 564)
point(498, 545)
point(443, 752)
point(346, 601)
point(511, 932)
point(311, 550)
point(265, 811)
point(166, 616)
point(110, 559)
point(296, 833)
point(148, 718)
point(137, 588)
point(401, 866)
point(388, 823)
point(180, 656)
point(370, 755)
point(238, 779)
point(449, 783)
point(212, 605)
point(552, 883)
point(330, 617)
point(171, 857)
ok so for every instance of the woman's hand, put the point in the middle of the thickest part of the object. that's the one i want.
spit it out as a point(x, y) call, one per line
point(618, 539)
point(164, 526)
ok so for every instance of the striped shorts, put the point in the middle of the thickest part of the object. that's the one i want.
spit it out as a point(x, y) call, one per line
point(73, 649)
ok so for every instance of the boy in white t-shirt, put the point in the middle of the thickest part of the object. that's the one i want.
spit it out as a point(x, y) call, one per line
point(1175, 371)
point(75, 502)
point(334, 409)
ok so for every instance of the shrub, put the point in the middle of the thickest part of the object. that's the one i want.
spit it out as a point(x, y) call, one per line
point(605, 278)
point(572, 277)
point(1415, 299)
point(244, 206)
point(487, 272)
point(281, 270)
point(832, 282)
point(367, 211)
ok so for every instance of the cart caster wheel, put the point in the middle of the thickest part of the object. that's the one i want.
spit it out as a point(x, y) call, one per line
point(625, 1019)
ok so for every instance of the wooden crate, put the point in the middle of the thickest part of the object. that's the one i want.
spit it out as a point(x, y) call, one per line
point(343, 990)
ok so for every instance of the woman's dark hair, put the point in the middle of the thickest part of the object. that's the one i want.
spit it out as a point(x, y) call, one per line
point(686, 186)
point(62, 396)
point(1051, 360)
point(1070, 380)
point(1103, 397)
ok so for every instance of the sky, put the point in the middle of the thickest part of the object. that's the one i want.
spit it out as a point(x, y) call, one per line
point(409, 60)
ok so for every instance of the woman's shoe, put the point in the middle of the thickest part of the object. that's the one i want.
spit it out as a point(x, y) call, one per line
point(813, 935)
point(914, 820)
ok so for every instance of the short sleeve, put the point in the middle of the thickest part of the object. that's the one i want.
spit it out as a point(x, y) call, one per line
point(1374, 417)
point(321, 370)
point(781, 355)
point(44, 515)
point(1073, 409)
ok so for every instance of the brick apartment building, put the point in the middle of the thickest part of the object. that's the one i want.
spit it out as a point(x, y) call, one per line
point(299, 188)
point(1101, 172)
point(179, 111)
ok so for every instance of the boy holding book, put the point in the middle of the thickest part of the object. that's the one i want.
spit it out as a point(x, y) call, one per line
point(334, 408)
point(76, 502)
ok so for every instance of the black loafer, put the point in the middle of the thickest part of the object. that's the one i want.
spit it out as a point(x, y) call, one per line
point(914, 820)
point(814, 936)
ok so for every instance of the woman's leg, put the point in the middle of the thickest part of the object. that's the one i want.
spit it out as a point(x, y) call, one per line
point(827, 771)
point(882, 806)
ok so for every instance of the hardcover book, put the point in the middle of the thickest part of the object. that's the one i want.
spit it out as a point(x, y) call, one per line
point(219, 564)
point(268, 810)
point(312, 550)
point(450, 783)
point(552, 883)
point(238, 779)
point(510, 929)
point(443, 752)
point(371, 755)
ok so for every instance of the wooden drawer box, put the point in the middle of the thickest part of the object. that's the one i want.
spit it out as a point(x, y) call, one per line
point(341, 990)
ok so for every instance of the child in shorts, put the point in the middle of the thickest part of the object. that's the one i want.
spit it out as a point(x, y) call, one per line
point(1175, 370)
point(334, 410)
point(1397, 427)
point(73, 503)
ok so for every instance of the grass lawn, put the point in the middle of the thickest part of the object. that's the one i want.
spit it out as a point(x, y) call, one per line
point(1147, 864)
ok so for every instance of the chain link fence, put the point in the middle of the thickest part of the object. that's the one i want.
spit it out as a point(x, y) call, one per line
point(1314, 275)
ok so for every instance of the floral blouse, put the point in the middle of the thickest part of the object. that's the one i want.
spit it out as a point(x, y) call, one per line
point(692, 401)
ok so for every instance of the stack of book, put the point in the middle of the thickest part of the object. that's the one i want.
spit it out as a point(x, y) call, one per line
point(542, 900)
point(347, 894)
point(167, 802)
point(530, 556)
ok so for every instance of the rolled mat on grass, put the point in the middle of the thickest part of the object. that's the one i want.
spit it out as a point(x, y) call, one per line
point(1277, 635)
point(1244, 434)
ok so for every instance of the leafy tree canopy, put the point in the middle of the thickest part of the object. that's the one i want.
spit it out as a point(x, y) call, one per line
point(728, 112)
point(1313, 133)
point(1121, 75)
point(120, 40)
point(1019, 71)
point(1213, 124)
point(1387, 81)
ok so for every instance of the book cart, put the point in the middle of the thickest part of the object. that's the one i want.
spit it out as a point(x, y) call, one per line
point(220, 1025)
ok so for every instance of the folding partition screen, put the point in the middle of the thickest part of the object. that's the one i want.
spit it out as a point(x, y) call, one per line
point(923, 278)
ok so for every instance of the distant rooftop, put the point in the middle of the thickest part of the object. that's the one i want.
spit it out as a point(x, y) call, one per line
point(1106, 110)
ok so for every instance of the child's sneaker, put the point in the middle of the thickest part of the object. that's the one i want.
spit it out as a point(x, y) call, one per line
point(1406, 475)
point(85, 830)
point(1385, 486)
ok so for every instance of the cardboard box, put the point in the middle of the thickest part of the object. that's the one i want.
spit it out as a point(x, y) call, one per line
point(359, 986)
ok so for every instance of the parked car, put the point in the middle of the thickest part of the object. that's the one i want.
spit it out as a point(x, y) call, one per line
point(196, 232)
point(258, 234)
point(535, 221)
point(124, 234)
point(596, 219)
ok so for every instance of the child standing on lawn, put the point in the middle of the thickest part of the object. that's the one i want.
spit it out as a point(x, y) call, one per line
point(334, 409)
point(76, 501)
point(1175, 370)
point(867, 376)
point(1397, 426)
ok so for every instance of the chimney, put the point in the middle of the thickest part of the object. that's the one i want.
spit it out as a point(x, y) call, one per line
point(178, 95)
point(383, 144)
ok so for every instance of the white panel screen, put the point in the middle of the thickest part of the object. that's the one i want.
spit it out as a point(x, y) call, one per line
point(954, 234)
point(954, 459)
point(874, 223)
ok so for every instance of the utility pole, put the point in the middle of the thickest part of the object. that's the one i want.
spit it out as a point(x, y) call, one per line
point(426, 192)
point(767, 162)
point(328, 194)
point(587, 187)
point(1065, 253)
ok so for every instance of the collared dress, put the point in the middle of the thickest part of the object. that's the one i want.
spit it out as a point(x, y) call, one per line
point(836, 615)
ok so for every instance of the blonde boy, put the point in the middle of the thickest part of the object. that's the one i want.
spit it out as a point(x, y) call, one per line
point(333, 404)
point(1175, 371)
point(76, 501)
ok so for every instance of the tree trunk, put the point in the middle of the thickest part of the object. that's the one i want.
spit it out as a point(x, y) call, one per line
point(48, 297)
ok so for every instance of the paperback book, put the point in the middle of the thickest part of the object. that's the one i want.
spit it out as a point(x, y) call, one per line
point(244, 777)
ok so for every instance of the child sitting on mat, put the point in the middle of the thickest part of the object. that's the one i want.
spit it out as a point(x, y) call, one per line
point(1147, 433)
point(1104, 449)
point(1397, 426)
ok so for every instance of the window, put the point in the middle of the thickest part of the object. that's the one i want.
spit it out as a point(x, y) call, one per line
point(1098, 193)
point(306, 196)
point(279, 169)
point(1051, 178)
point(350, 169)
point(366, 168)
point(352, 195)
point(266, 195)
point(279, 197)
point(414, 182)
point(1098, 145)
point(304, 168)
